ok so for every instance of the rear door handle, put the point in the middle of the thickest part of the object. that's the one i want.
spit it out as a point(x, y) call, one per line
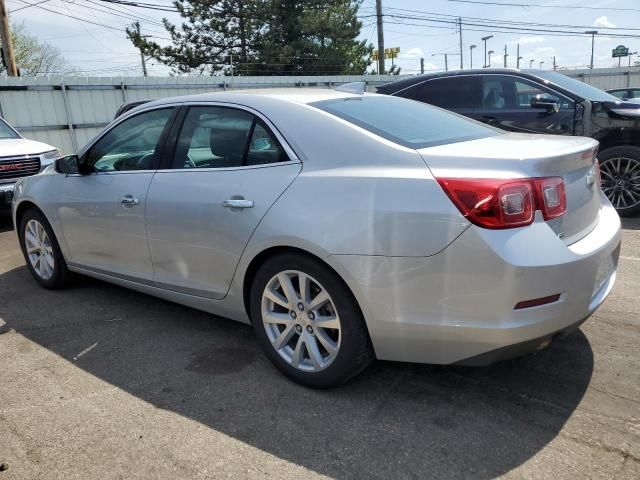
point(129, 201)
point(237, 203)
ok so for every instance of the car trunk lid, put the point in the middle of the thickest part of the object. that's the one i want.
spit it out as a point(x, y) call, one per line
point(517, 156)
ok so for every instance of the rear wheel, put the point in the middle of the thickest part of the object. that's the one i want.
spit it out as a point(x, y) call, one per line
point(620, 172)
point(41, 251)
point(308, 322)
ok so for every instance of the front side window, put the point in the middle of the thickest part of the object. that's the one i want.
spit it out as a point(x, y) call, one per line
point(406, 122)
point(221, 137)
point(131, 145)
point(621, 94)
point(501, 92)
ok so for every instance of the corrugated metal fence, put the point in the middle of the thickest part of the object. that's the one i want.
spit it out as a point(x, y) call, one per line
point(68, 112)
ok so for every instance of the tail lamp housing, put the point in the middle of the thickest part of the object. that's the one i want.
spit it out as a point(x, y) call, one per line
point(506, 203)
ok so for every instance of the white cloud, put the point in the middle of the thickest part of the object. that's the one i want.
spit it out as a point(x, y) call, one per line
point(411, 54)
point(603, 22)
point(530, 40)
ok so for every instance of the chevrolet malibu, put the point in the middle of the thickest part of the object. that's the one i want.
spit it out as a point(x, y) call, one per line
point(342, 226)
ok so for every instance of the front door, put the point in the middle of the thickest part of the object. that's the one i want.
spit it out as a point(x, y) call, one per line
point(228, 169)
point(102, 211)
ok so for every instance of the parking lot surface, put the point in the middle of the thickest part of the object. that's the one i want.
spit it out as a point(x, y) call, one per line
point(101, 382)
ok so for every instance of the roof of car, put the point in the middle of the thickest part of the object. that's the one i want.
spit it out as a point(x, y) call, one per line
point(298, 95)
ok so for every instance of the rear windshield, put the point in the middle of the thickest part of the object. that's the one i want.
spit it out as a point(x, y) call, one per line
point(406, 122)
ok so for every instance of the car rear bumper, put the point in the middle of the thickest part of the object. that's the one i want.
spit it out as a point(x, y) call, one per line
point(460, 304)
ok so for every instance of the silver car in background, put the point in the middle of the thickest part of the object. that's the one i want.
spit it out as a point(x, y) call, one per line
point(344, 227)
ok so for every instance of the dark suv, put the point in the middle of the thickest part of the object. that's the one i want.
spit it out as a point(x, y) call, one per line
point(543, 101)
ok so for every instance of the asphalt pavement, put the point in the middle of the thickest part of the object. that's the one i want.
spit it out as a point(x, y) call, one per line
point(97, 381)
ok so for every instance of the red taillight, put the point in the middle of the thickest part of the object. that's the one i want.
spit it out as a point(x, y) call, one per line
point(552, 200)
point(499, 203)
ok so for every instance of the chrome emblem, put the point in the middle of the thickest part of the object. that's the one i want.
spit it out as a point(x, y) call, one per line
point(591, 177)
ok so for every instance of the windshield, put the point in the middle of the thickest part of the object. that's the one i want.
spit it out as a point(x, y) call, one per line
point(6, 131)
point(581, 89)
point(406, 122)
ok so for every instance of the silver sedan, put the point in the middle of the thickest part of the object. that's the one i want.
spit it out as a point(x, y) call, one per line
point(344, 227)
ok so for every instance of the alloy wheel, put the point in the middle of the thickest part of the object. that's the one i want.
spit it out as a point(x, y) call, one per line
point(301, 321)
point(39, 249)
point(621, 181)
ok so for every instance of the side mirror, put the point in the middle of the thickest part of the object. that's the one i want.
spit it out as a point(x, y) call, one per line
point(68, 164)
point(546, 101)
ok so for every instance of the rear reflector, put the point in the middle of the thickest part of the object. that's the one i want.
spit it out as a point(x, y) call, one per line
point(536, 302)
point(499, 203)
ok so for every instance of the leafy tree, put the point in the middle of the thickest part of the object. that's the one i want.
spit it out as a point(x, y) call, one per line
point(263, 37)
point(35, 58)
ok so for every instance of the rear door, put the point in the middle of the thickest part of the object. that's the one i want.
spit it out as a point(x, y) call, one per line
point(506, 103)
point(227, 169)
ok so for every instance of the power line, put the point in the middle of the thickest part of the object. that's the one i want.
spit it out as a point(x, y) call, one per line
point(538, 5)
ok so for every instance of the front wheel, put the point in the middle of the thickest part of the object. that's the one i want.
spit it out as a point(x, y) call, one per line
point(308, 322)
point(620, 173)
point(41, 251)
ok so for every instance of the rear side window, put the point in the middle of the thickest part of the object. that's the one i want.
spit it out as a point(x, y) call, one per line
point(451, 92)
point(406, 122)
point(221, 137)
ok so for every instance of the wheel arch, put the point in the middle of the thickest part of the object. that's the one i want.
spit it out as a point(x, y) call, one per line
point(258, 260)
point(617, 137)
point(21, 209)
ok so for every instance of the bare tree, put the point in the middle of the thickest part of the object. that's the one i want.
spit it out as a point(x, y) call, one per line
point(35, 58)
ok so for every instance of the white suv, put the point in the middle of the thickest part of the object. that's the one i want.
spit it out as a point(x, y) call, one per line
point(20, 157)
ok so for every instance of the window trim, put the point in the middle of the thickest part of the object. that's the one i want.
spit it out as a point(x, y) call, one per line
point(166, 164)
point(162, 144)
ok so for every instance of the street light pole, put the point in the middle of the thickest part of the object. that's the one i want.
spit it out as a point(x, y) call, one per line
point(630, 55)
point(593, 34)
point(484, 39)
point(531, 63)
point(490, 52)
point(471, 47)
point(541, 64)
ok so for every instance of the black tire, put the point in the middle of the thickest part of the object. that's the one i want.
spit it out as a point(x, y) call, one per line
point(355, 351)
point(629, 178)
point(61, 275)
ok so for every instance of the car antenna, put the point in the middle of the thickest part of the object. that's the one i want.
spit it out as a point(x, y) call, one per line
point(353, 87)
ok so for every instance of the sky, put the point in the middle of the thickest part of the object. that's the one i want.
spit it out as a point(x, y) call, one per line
point(95, 42)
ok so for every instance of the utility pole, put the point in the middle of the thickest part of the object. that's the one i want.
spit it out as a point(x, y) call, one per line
point(484, 39)
point(519, 57)
point(380, 37)
point(593, 34)
point(555, 67)
point(505, 56)
point(460, 27)
point(471, 47)
point(144, 65)
point(422, 66)
point(7, 46)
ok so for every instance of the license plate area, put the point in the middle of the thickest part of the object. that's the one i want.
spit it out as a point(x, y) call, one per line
point(607, 266)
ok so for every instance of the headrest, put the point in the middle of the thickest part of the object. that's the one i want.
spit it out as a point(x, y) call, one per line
point(228, 143)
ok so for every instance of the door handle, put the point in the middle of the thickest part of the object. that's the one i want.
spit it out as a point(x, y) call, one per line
point(237, 203)
point(129, 201)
